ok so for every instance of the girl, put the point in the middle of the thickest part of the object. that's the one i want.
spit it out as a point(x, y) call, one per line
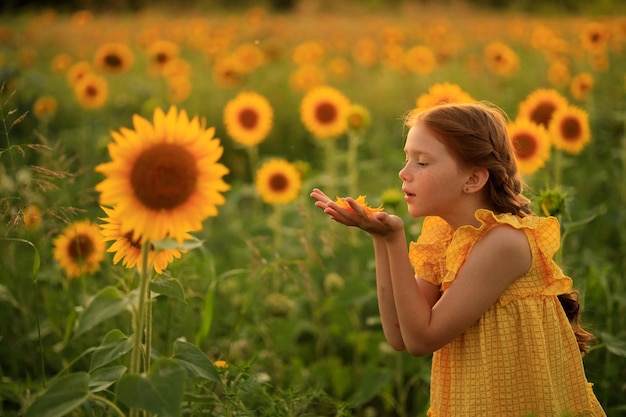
point(479, 288)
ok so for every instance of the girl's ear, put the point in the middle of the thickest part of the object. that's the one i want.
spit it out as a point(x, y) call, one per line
point(477, 179)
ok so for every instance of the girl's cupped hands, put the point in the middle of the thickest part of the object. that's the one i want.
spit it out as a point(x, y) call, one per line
point(357, 215)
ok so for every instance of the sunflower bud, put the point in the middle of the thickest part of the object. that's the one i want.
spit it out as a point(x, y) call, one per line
point(333, 283)
point(279, 305)
point(552, 202)
point(358, 118)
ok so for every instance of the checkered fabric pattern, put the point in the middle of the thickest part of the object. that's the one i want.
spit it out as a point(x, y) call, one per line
point(521, 357)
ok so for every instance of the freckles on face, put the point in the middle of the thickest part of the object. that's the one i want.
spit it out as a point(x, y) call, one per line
point(431, 177)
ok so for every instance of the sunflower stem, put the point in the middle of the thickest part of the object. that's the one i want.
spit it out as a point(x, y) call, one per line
point(140, 317)
point(276, 225)
point(556, 168)
point(330, 158)
point(353, 170)
point(253, 159)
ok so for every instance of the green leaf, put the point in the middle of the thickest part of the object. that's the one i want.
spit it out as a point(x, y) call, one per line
point(194, 360)
point(36, 259)
point(5, 295)
point(206, 319)
point(107, 303)
point(372, 383)
point(114, 345)
point(103, 378)
point(169, 244)
point(160, 392)
point(168, 286)
point(614, 344)
point(62, 396)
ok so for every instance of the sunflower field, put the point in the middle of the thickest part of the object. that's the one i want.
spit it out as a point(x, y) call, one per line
point(160, 253)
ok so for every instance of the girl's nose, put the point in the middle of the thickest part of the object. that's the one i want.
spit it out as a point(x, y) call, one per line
point(403, 174)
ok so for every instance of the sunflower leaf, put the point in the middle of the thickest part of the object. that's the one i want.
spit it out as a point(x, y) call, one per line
point(160, 392)
point(60, 398)
point(171, 244)
point(114, 345)
point(107, 303)
point(168, 286)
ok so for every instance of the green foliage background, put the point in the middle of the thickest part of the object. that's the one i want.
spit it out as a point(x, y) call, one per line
point(282, 295)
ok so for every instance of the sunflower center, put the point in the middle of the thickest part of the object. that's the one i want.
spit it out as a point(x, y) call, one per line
point(525, 145)
point(80, 247)
point(248, 118)
point(91, 91)
point(164, 176)
point(570, 129)
point(161, 58)
point(542, 113)
point(113, 61)
point(278, 183)
point(326, 113)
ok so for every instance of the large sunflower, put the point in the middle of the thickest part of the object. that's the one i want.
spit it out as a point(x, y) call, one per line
point(540, 105)
point(278, 182)
point(128, 250)
point(501, 59)
point(323, 112)
point(114, 57)
point(248, 118)
point(569, 129)
point(91, 91)
point(79, 249)
point(531, 144)
point(164, 178)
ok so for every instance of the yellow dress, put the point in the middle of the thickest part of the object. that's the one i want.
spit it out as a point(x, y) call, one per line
point(521, 358)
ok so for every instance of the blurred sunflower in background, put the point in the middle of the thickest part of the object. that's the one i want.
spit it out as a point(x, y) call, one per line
point(114, 57)
point(569, 129)
point(323, 112)
point(164, 178)
point(128, 250)
point(79, 249)
point(278, 181)
point(442, 93)
point(160, 52)
point(248, 118)
point(92, 91)
point(581, 85)
point(501, 59)
point(420, 60)
point(531, 144)
point(358, 118)
point(77, 72)
point(540, 105)
point(45, 107)
point(594, 37)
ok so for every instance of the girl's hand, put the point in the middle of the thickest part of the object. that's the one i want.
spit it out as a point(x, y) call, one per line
point(379, 223)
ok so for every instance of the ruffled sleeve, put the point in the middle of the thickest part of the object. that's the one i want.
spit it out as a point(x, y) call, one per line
point(543, 233)
point(428, 254)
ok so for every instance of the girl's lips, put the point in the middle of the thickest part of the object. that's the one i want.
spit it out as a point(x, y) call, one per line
point(407, 195)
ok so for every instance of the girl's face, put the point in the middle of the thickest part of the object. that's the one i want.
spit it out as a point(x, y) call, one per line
point(432, 180)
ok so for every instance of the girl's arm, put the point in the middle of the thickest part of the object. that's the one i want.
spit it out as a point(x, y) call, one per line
point(496, 261)
point(384, 287)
